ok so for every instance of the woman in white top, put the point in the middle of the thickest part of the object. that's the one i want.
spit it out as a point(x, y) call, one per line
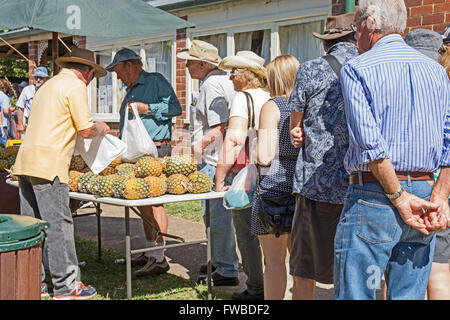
point(248, 75)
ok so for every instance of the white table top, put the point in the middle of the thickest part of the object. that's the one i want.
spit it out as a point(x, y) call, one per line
point(167, 198)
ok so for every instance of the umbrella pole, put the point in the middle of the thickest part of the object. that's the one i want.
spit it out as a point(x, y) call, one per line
point(55, 52)
point(7, 43)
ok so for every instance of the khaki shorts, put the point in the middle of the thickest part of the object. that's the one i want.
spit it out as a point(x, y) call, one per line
point(312, 239)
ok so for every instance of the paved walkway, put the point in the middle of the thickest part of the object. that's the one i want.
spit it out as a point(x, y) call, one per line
point(184, 261)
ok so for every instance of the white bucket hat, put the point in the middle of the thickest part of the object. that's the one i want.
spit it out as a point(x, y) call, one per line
point(201, 51)
point(245, 60)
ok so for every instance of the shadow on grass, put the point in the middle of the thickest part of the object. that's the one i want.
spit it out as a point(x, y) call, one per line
point(109, 278)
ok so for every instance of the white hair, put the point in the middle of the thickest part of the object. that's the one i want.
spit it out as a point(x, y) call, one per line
point(390, 15)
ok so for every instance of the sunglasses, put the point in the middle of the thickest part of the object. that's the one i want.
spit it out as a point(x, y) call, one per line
point(235, 71)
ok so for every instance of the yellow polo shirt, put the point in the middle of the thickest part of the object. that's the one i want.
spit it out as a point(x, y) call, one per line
point(59, 109)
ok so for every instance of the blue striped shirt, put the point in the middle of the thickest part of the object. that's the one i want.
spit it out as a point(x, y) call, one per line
point(397, 105)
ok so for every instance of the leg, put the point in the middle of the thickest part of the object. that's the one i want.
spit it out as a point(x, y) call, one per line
point(275, 274)
point(439, 283)
point(250, 251)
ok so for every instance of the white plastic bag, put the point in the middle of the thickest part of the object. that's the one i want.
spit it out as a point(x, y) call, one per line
point(136, 138)
point(99, 151)
point(242, 190)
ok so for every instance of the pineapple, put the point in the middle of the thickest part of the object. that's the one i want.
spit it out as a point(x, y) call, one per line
point(177, 184)
point(126, 172)
point(107, 171)
point(135, 188)
point(157, 186)
point(4, 165)
point(199, 182)
point(3, 154)
point(182, 164)
point(11, 159)
point(74, 176)
point(77, 163)
point(163, 161)
point(12, 150)
point(147, 166)
point(102, 186)
point(84, 181)
point(116, 162)
point(124, 165)
point(117, 186)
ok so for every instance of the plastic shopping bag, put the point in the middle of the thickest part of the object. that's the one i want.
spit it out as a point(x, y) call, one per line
point(136, 138)
point(99, 151)
point(242, 190)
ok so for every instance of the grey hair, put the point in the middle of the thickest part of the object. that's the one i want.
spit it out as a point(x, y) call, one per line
point(390, 15)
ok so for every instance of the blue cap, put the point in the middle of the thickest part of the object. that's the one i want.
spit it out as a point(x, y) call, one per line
point(41, 72)
point(123, 55)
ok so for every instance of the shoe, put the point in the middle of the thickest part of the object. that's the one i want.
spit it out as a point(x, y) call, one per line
point(153, 268)
point(80, 292)
point(204, 270)
point(140, 260)
point(217, 280)
point(85, 205)
point(245, 295)
point(46, 290)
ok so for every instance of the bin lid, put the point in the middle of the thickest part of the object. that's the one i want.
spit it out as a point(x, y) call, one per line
point(15, 227)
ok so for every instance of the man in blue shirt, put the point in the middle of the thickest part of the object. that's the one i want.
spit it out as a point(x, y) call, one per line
point(397, 105)
point(320, 180)
point(157, 104)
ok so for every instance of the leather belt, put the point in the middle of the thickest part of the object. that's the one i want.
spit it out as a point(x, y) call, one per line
point(159, 143)
point(401, 175)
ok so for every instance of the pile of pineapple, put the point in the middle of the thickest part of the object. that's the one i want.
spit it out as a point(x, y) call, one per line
point(8, 157)
point(148, 177)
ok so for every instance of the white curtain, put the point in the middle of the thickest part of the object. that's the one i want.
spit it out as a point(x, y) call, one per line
point(299, 41)
point(104, 89)
point(159, 58)
point(217, 40)
point(244, 41)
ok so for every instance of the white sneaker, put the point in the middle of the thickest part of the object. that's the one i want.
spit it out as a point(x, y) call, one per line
point(89, 204)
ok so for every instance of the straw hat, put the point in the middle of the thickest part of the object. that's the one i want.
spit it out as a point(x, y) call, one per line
point(201, 51)
point(337, 27)
point(82, 56)
point(245, 60)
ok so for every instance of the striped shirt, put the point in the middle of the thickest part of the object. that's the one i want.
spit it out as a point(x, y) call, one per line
point(397, 105)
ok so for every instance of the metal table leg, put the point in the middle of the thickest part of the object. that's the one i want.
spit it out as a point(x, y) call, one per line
point(128, 251)
point(98, 211)
point(208, 248)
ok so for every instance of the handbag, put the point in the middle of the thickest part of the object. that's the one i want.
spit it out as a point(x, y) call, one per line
point(276, 213)
point(243, 158)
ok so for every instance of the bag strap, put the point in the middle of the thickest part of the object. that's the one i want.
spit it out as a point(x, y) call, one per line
point(251, 110)
point(334, 63)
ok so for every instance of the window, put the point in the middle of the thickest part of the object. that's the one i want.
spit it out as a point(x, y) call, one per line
point(217, 40)
point(158, 58)
point(298, 40)
point(104, 86)
point(256, 41)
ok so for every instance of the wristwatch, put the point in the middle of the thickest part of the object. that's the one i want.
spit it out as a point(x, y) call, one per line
point(393, 196)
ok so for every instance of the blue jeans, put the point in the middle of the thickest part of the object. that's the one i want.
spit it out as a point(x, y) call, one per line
point(49, 201)
point(4, 138)
point(223, 241)
point(372, 240)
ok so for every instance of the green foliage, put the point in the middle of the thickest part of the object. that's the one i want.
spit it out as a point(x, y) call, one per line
point(13, 68)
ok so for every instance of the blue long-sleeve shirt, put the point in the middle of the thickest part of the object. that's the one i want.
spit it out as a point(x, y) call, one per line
point(397, 105)
point(154, 90)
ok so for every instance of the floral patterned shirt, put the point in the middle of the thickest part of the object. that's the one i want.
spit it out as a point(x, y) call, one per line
point(320, 174)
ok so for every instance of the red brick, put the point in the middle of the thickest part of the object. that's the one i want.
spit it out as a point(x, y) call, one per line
point(433, 19)
point(425, 2)
point(413, 3)
point(421, 27)
point(421, 10)
point(441, 7)
point(414, 21)
point(439, 27)
point(447, 17)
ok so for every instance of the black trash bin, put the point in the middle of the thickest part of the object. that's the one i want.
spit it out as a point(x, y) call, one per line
point(21, 240)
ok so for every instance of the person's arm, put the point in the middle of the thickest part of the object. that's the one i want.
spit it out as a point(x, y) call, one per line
point(297, 103)
point(269, 119)
point(216, 132)
point(20, 107)
point(98, 128)
point(441, 192)
point(414, 211)
point(1, 123)
point(231, 147)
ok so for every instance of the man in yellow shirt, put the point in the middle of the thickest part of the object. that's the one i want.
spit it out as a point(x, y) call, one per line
point(60, 111)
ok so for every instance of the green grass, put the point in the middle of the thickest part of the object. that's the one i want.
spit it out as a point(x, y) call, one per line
point(109, 278)
point(189, 210)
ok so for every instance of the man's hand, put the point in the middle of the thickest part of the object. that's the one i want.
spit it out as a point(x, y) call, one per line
point(444, 209)
point(414, 211)
point(142, 108)
point(297, 137)
point(220, 187)
point(102, 128)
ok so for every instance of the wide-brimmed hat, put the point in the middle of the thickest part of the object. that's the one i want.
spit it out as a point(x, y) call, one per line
point(41, 72)
point(425, 41)
point(245, 60)
point(123, 54)
point(201, 51)
point(82, 56)
point(337, 27)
